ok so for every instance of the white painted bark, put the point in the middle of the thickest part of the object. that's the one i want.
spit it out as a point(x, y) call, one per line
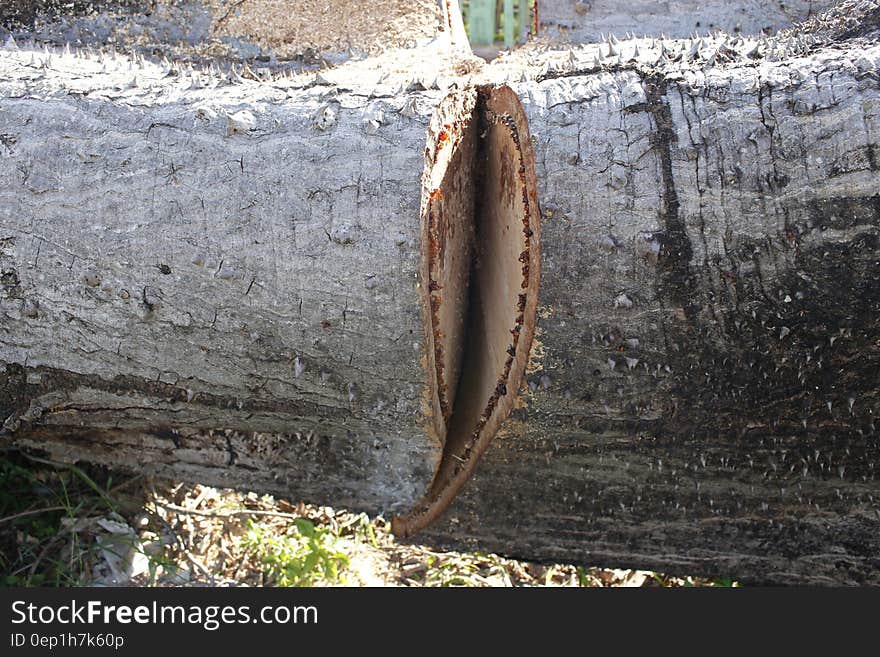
point(457, 34)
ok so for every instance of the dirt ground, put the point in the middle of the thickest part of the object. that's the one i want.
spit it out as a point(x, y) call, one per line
point(270, 32)
point(62, 525)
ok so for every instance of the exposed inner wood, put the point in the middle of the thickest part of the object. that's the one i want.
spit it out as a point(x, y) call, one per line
point(487, 213)
point(448, 237)
point(452, 235)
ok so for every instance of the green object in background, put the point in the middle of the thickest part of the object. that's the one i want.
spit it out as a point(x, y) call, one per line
point(481, 22)
point(489, 21)
point(509, 25)
point(524, 15)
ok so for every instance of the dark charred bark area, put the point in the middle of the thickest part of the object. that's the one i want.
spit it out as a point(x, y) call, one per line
point(707, 399)
point(676, 282)
point(16, 14)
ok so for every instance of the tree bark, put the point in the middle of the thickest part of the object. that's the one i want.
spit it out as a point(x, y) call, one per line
point(588, 21)
point(702, 392)
point(244, 256)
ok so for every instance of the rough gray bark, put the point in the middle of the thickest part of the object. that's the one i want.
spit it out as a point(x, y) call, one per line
point(705, 388)
point(586, 21)
point(703, 394)
point(244, 256)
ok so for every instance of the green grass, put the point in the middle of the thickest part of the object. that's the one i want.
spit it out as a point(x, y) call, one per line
point(305, 556)
point(40, 503)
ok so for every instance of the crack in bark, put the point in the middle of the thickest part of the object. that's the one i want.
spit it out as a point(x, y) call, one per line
point(678, 282)
point(15, 396)
point(477, 369)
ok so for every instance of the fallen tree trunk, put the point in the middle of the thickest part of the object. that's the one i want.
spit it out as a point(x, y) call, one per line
point(248, 258)
point(703, 389)
point(178, 258)
point(265, 34)
point(704, 396)
point(588, 21)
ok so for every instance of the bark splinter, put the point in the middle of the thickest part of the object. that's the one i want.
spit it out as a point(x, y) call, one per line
point(480, 273)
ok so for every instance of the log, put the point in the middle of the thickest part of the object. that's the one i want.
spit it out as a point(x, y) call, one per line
point(181, 256)
point(702, 388)
point(588, 21)
point(265, 34)
point(704, 393)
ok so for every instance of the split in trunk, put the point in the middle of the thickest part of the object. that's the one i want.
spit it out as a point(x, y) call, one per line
point(481, 264)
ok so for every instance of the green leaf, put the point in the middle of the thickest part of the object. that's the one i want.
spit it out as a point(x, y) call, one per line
point(311, 561)
point(304, 527)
